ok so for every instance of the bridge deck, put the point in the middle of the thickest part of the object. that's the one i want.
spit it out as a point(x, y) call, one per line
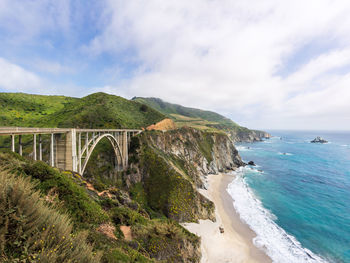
point(24, 130)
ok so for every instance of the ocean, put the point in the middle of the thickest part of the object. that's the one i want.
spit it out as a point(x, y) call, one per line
point(297, 197)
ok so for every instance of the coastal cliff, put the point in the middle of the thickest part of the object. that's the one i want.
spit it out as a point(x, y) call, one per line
point(173, 164)
point(246, 135)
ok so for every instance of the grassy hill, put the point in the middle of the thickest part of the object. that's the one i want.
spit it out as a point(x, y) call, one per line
point(51, 216)
point(189, 116)
point(98, 110)
point(202, 119)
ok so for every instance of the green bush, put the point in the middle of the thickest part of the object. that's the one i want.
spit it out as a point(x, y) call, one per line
point(30, 231)
point(77, 203)
point(166, 190)
point(167, 240)
point(116, 256)
point(126, 216)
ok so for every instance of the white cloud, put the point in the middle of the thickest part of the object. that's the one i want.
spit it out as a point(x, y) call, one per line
point(15, 78)
point(222, 55)
point(52, 67)
point(225, 55)
point(24, 20)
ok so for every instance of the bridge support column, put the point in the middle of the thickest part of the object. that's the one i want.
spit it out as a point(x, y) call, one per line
point(20, 145)
point(79, 153)
point(34, 147)
point(52, 157)
point(125, 149)
point(13, 148)
point(87, 142)
point(66, 151)
point(74, 150)
point(40, 148)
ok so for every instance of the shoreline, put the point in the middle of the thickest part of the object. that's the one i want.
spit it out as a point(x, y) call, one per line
point(236, 243)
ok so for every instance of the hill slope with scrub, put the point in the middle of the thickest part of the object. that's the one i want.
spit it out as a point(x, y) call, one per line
point(98, 110)
point(202, 119)
point(132, 218)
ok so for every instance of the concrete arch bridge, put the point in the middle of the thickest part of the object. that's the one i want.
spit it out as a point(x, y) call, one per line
point(71, 149)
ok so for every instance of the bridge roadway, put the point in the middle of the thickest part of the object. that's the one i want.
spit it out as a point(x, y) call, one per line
point(70, 148)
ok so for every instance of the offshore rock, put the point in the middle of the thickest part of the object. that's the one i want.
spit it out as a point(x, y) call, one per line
point(251, 163)
point(318, 139)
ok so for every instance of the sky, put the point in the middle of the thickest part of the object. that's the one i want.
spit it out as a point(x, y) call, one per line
point(268, 64)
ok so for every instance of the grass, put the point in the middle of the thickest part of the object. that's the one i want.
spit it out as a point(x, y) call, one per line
point(199, 119)
point(166, 190)
point(98, 110)
point(73, 198)
point(185, 116)
point(76, 215)
point(31, 231)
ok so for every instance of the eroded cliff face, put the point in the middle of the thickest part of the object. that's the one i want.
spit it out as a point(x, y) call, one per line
point(246, 135)
point(172, 165)
point(208, 152)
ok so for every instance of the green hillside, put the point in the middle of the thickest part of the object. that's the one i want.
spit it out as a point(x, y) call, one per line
point(98, 110)
point(51, 216)
point(184, 116)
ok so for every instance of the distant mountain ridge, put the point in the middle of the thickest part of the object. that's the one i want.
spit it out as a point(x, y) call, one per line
point(202, 119)
point(101, 110)
point(172, 110)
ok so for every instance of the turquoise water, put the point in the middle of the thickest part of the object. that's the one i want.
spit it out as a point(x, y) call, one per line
point(297, 198)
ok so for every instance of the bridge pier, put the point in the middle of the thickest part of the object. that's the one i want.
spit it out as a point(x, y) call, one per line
point(13, 148)
point(34, 147)
point(40, 149)
point(20, 145)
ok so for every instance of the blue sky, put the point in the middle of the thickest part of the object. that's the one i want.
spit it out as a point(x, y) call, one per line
point(265, 64)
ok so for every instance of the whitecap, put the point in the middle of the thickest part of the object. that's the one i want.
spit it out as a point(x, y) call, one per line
point(243, 148)
point(253, 170)
point(280, 153)
point(275, 241)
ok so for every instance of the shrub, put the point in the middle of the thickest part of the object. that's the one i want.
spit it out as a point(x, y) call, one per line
point(115, 256)
point(126, 216)
point(167, 240)
point(143, 108)
point(166, 190)
point(30, 231)
point(77, 203)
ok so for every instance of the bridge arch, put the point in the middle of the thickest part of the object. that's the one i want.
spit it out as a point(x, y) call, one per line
point(71, 148)
point(87, 150)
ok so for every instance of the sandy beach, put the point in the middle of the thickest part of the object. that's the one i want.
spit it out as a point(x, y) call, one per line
point(235, 244)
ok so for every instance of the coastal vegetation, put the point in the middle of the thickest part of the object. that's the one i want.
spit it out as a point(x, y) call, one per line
point(98, 110)
point(45, 212)
point(130, 215)
point(202, 119)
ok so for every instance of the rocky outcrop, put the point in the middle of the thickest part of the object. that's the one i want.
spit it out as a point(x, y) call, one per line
point(173, 164)
point(246, 135)
point(318, 139)
point(210, 153)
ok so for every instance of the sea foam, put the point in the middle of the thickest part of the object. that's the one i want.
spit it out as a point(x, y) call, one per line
point(280, 246)
point(242, 148)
